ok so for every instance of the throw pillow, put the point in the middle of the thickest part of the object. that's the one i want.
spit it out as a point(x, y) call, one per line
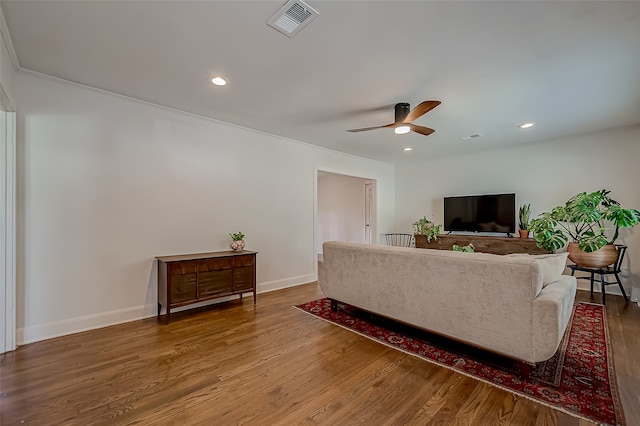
point(551, 265)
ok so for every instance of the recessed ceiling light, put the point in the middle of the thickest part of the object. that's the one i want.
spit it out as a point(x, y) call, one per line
point(219, 81)
point(402, 130)
point(525, 125)
point(407, 148)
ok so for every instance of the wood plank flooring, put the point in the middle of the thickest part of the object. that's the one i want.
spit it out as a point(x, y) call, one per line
point(268, 364)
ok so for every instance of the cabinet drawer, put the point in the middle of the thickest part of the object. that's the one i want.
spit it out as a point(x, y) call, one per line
point(183, 287)
point(215, 264)
point(214, 282)
point(487, 245)
point(242, 261)
point(243, 278)
point(182, 268)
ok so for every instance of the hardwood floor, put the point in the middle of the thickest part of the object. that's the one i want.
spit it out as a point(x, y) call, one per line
point(267, 365)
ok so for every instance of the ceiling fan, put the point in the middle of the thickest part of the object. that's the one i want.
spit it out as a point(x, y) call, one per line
point(404, 119)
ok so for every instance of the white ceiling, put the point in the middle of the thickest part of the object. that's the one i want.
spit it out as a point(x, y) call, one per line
point(570, 66)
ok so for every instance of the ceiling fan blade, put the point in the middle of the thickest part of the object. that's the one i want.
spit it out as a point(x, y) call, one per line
point(421, 129)
point(421, 109)
point(364, 129)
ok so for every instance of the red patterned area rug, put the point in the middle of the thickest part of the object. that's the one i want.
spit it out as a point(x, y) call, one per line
point(578, 380)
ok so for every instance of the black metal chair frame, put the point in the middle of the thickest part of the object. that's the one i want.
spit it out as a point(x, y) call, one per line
point(613, 269)
point(400, 240)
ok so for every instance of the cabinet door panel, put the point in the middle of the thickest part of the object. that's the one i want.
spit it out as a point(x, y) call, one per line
point(183, 288)
point(214, 282)
point(243, 278)
point(182, 278)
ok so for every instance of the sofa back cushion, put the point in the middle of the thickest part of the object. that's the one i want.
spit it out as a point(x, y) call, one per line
point(551, 266)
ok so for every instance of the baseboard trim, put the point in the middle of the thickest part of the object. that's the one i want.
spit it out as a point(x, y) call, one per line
point(611, 289)
point(287, 282)
point(36, 333)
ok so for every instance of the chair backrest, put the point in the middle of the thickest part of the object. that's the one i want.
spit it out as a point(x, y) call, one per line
point(622, 249)
point(400, 240)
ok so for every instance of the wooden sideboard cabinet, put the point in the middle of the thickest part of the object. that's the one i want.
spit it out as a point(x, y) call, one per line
point(483, 244)
point(190, 278)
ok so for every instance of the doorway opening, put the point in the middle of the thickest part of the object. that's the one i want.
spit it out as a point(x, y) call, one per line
point(345, 209)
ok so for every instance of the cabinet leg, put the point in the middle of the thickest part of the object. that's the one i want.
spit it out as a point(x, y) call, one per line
point(166, 315)
point(254, 297)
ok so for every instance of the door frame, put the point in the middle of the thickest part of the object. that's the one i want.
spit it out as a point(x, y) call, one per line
point(7, 224)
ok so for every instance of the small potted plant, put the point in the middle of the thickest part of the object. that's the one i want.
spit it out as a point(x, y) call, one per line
point(464, 249)
point(524, 216)
point(424, 231)
point(584, 218)
point(237, 241)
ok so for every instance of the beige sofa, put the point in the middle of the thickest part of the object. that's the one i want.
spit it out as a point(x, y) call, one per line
point(517, 306)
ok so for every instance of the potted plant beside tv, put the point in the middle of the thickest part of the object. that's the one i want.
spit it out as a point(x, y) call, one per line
point(424, 231)
point(524, 216)
point(584, 219)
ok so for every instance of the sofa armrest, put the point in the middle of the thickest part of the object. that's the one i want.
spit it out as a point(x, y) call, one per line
point(551, 313)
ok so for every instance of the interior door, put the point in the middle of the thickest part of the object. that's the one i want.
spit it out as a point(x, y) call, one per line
point(368, 215)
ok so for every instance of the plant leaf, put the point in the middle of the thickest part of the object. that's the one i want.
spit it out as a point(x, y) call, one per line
point(592, 243)
point(551, 239)
point(623, 218)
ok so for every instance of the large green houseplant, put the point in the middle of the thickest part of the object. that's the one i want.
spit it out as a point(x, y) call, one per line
point(584, 222)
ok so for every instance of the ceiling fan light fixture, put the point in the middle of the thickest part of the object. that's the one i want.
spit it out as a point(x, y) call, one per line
point(405, 118)
point(402, 130)
point(219, 81)
point(525, 125)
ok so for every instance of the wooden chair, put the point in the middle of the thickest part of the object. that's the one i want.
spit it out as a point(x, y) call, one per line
point(613, 269)
point(400, 240)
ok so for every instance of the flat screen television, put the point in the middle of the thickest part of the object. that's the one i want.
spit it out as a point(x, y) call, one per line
point(480, 213)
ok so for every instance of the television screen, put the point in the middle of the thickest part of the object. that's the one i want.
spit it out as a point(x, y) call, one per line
point(480, 213)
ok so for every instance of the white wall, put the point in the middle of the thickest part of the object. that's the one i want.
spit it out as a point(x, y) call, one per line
point(544, 174)
point(7, 65)
point(106, 183)
point(341, 208)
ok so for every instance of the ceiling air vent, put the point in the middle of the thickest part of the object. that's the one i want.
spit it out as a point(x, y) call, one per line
point(292, 17)
point(473, 136)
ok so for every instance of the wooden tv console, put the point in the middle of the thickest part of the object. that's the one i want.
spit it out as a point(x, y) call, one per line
point(191, 278)
point(483, 244)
